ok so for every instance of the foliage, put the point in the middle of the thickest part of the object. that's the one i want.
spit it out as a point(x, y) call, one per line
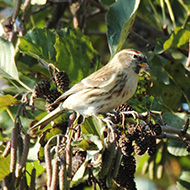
point(38, 39)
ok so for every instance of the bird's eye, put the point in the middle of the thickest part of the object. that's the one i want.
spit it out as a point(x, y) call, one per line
point(135, 56)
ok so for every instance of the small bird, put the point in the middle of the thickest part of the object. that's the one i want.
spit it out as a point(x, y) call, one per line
point(103, 90)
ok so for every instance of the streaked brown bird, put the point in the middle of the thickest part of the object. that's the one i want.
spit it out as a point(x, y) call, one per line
point(103, 90)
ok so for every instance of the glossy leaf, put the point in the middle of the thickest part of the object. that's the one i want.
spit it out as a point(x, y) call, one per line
point(68, 49)
point(39, 43)
point(119, 20)
point(7, 63)
point(75, 54)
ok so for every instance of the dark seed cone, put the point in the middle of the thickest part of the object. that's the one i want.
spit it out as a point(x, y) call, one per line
point(125, 177)
point(62, 81)
point(125, 145)
point(156, 129)
point(151, 146)
point(122, 108)
point(51, 97)
point(140, 146)
point(41, 89)
point(134, 131)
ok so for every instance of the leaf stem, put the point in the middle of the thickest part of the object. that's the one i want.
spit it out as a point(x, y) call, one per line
point(163, 11)
point(24, 85)
point(10, 114)
point(171, 12)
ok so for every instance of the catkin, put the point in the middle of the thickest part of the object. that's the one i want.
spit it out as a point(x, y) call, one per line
point(14, 137)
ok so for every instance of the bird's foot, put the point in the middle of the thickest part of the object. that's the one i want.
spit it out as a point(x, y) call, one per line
point(111, 128)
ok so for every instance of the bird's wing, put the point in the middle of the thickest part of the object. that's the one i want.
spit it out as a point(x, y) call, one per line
point(76, 88)
point(99, 79)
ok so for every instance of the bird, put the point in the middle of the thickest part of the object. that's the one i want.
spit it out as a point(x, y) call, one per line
point(103, 90)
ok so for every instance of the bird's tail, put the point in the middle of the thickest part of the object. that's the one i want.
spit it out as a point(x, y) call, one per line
point(48, 118)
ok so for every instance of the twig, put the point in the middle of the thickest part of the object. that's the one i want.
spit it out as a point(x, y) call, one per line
point(7, 149)
point(188, 58)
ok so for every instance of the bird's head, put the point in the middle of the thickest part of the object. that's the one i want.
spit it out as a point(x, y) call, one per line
point(132, 59)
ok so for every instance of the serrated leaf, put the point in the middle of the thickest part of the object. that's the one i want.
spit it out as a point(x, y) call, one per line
point(68, 49)
point(119, 20)
point(177, 120)
point(75, 54)
point(7, 100)
point(5, 166)
point(183, 183)
point(7, 63)
point(39, 43)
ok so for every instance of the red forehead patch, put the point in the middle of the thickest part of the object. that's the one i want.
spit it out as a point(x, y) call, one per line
point(137, 51)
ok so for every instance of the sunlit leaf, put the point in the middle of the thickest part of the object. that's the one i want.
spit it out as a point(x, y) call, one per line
point(178, 38)
point(29, 166)
point(7, 100)
point(7, 63)
point(5, 166)
point(119, 20)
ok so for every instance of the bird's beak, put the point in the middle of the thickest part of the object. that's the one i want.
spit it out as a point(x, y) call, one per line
point(143, 65)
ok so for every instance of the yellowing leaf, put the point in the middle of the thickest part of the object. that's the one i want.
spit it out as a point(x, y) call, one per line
point(5, 166)
point(7, 100)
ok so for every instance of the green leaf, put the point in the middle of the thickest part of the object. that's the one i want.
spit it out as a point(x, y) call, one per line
point(5, 166)
point(7, 100)
point(75, 54)
point(178, 38)
point(39, 43)
point(93, 125)
point(68, 49)
point(7, 63)
point(181, 78)
point(158, 71)
point(177, 120)
point(29, 166)
point(119, 20)
point(85, 144)
point(183, 183)
point(79, 174)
